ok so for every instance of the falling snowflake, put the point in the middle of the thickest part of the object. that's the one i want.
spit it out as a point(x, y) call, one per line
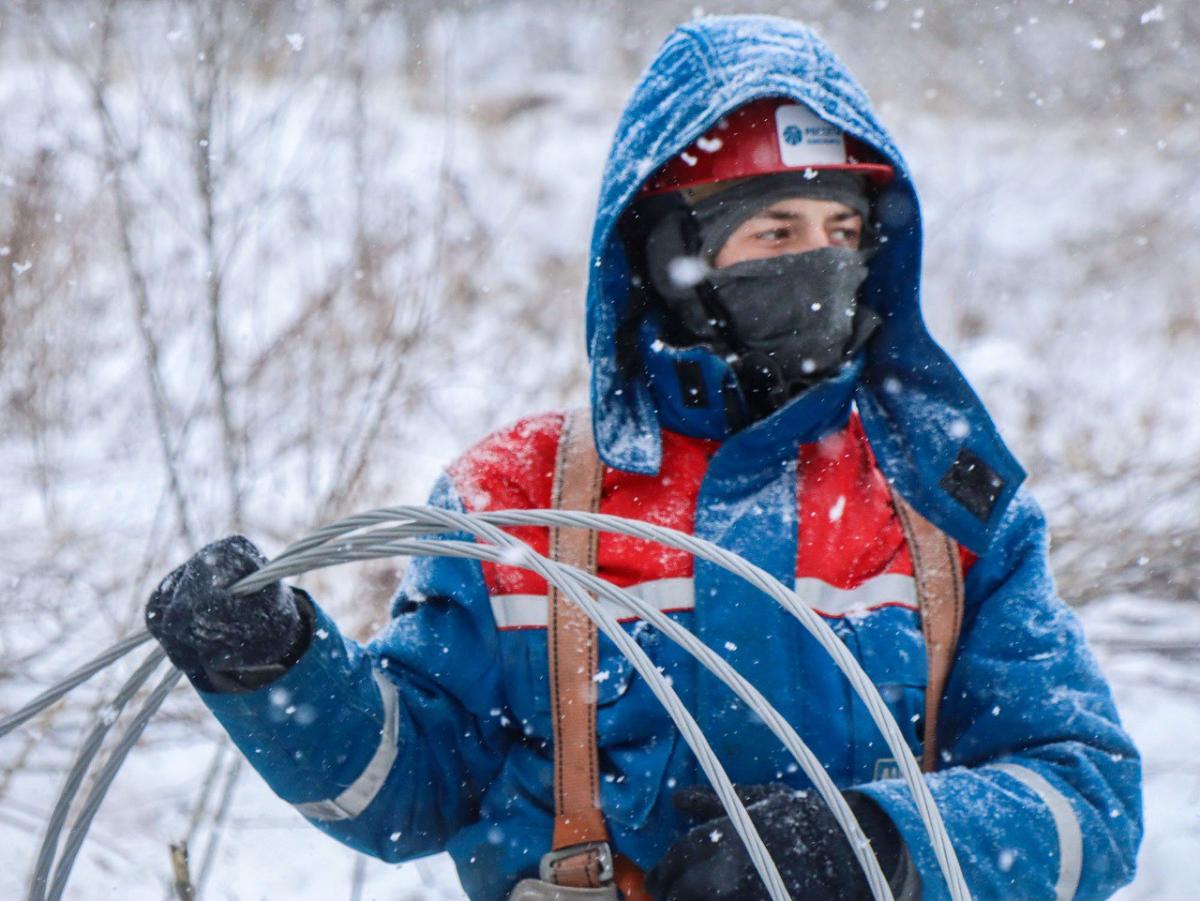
point(687, 272)
point(1154, 14)
point(838, 508)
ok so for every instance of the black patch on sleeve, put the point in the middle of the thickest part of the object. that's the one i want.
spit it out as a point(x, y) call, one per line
point(973, 484)
point(691, 383)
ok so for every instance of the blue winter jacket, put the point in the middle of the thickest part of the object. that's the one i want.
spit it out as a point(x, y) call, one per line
point(436, 735)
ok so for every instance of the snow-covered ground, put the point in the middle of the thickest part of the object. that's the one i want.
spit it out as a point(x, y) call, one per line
point(373, 241)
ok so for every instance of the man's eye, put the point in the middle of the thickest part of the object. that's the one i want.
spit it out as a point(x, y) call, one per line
point(844, 234)
point(773, 234)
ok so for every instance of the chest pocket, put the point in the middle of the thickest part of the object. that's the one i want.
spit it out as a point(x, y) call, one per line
point(891, 648)
point(527, 676)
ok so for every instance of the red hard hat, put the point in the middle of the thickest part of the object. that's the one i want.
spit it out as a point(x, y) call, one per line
point(770, 135)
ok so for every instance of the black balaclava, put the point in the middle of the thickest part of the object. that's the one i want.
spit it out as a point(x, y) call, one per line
point(783, 323)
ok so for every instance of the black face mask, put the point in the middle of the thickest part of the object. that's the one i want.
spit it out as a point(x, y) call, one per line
point(783, 323)
point(794, 319)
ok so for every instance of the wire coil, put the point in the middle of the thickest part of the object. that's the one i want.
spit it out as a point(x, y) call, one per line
point(430, 531)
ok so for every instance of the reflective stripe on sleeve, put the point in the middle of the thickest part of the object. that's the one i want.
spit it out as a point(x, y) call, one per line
point(1070, 839)
point(528, 611)
point(358, 795)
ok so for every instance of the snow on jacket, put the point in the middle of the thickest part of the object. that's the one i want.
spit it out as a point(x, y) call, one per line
point(437, 734)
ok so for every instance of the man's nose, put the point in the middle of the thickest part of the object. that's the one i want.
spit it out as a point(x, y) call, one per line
point(812, 237)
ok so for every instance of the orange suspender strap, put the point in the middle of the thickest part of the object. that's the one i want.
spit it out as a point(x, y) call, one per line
point(572, 641)
point(937, 569)
point(580, 855)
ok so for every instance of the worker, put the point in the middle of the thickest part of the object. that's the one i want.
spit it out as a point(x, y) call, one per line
point(761, 377)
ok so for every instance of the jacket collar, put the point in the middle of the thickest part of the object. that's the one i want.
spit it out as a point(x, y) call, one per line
point(694, 392)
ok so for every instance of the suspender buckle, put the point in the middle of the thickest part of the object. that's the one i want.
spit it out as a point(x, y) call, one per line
point(591, 855)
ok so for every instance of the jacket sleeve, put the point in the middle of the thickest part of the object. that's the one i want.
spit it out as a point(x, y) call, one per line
point(1040, 787)
point(387, 747)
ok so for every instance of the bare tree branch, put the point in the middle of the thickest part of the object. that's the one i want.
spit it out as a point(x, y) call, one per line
point(115, 162)
point(205, 86)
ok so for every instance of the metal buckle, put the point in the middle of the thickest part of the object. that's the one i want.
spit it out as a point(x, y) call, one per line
point(601, 849)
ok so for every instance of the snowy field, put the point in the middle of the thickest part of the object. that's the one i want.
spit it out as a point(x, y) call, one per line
point(385, 208)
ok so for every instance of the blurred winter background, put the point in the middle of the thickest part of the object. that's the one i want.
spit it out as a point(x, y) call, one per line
point(266, 263)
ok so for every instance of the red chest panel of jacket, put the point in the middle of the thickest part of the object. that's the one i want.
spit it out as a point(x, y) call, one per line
point(851, 553)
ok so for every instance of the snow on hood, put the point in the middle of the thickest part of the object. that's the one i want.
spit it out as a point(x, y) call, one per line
point(929, 430)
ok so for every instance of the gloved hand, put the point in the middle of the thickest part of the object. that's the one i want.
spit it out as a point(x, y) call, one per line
point(813, 855)
point(220, 641)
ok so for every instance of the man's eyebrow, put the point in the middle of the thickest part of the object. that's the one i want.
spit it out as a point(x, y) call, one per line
point(783, 215)
point(788, 216)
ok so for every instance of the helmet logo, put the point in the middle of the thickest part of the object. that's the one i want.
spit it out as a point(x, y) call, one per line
point(805, 139)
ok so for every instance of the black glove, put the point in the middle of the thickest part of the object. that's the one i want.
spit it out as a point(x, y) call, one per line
point(223, 642)
point(808, 846)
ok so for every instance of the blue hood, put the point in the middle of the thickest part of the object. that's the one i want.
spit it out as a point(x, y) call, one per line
point(930, 432)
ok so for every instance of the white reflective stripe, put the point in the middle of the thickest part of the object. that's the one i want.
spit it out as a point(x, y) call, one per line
point(528, 611)
point(356, 797)
point(667, 594)
point(1070, 839)
point(889, 588)
point(519, 611)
